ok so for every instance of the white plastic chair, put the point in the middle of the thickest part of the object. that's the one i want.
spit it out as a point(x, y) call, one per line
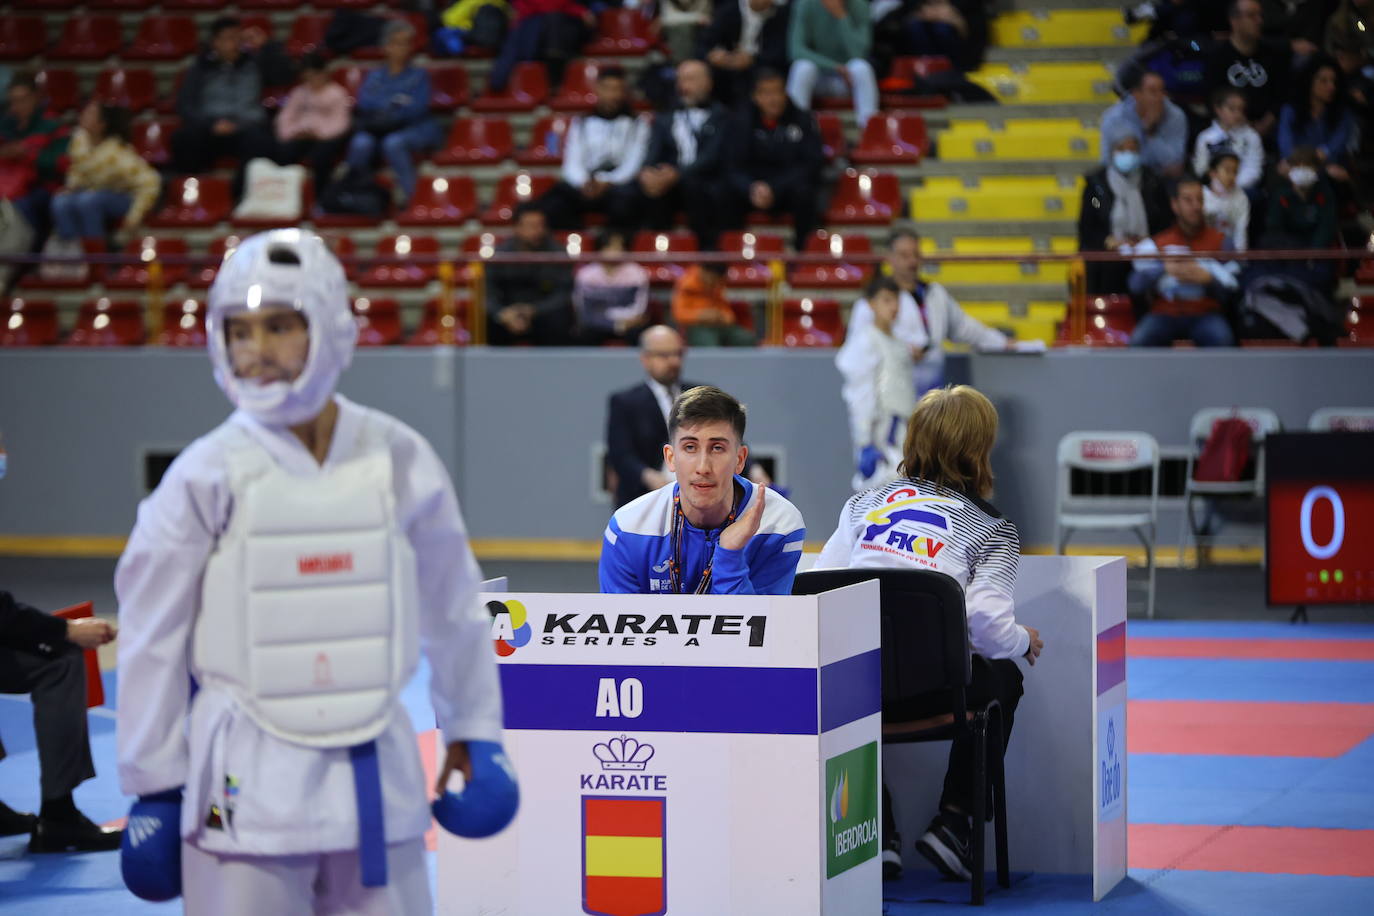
point(1110, 452)
point(1262, 421)
point(1341, 419)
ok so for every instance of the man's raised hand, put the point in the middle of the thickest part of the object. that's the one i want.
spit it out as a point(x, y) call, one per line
point(746, 526)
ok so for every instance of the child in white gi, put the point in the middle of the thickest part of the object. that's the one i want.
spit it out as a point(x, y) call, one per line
point(877, 367)
point(293, 562)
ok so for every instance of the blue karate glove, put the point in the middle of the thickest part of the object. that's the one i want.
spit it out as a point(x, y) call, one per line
point(150, 853)
point(869, 456)
point(489, 800)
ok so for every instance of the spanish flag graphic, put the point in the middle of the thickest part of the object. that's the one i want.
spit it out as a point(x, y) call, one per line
point(624, 860)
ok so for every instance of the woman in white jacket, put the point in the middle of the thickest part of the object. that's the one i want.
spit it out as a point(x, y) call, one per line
point(936, 517)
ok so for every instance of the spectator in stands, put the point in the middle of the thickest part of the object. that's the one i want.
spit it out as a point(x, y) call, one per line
point(1350, 25)
point(1225, 204)
point(829, 41)
point(682, 169)
point(773, 158)
point(681, 22)
point(529, 303)
point(745, 35)
point(220, 102)
point(936, 28)
point(1318, 117)
point(602, 155)
point(610, 296)
point(31, 149)
point(107, 180)
point(927, 315)
point(1123, 203)
point(1229, 130)
point(1245, 60)
point(1162, 125)
point(312, 127)
point(393, 111)
point(1185, 296)
point(1302, 214)
point(702, 311)
point(1301, 24)
point(553, 31)
point(1177, 18)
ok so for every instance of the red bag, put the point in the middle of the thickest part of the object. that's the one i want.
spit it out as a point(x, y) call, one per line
point(1226, 453)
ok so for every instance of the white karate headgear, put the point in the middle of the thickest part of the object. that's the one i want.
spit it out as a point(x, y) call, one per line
point(294, 268)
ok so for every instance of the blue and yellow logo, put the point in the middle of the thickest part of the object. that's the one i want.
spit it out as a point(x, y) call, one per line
point(510, 627)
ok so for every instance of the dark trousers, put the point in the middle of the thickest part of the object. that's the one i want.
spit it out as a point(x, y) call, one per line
point(565, 207)
point(698, 198)
point(548, 329)
point(57, 686)
point(320, 156)
point(554, 38)
point(195, 147)
point(799, 203)
point(999, 680)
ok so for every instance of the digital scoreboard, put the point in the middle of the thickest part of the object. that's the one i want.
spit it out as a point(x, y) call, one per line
point(1320, 517)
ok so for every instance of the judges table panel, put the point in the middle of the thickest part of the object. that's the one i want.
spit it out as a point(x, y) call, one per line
point(683, 754)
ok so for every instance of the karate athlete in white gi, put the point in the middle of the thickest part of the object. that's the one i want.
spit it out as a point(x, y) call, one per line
point(293, 562)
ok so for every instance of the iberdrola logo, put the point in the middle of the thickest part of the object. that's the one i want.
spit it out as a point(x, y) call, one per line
point(839, 798)
point(509, 627)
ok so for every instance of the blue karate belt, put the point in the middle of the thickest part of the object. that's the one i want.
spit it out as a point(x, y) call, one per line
point(367, 785)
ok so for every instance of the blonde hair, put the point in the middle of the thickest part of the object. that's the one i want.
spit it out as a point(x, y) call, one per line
point(949, 440)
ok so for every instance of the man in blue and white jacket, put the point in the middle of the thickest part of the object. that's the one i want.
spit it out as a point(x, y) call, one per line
point(710, 531)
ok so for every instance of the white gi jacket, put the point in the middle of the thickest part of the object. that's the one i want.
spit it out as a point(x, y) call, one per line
point(914, 524)
point(287, 798)
point(943, 320)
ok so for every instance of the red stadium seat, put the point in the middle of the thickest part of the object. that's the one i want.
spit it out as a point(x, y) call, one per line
point(1359, 323)
point(105, 323)
point(148, 249)
point(269, 4)
point(476, 141)
point(324, 220)
point(620, 32)
point(21, 37)
point(379, 321)
point(307, 34)
point(743, 312)
point(833, 143)
point(87, 38)
point(755, 249)
point(45, 4)
point(892, 138)
point(433, 324)
point(546, 141)
point(811, 323)
point(513, 190)
point(448, 88)
point(80, 278)
point(152, 140)
point(664, 274)
point(421, 36)
point(905, 76)
point(60, 87)
point(163, 38)
point(342, 4)
point(528, 87)
point(120, 6)
point(183, 324)
point(131, 89)
point(578, 92)
point(351, 78)
point(441, 201)
point(866, 197)
point(402, 273)
point(193, 202)
point(840, 274)
point(191, 4)
point(203, 274)
point(28, 323)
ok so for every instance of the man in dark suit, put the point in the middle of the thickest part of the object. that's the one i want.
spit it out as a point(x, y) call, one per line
point(41, 655)
point(741, 38)
point(637, 424)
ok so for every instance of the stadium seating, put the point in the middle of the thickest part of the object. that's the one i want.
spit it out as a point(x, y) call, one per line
point(839, 275)
point(476, 141)
point(448, 88)
point(193, 203)
point(866, 197)
point(307, 34)
point(528, 87)
point(546, 141)
point(755, 250)
point(135, 90)
point(620, 32)
point(148, 249)
point(892, 139)
point(119, 5)
point(87, 38)
point(578, 91)
point(28, 323)
point(60, 87)
point(351, 78)
point(433, 325)
point(80, 278)
point(998, 271)
point(1019, 139)
point(183, 324)
point(997, 197)
point(163, 38)
point(833, 143)
point(106, 323)
point(440, 201)
point(21, 37)
point(269, 4)
point(512, 190)
point(421, 35)
point(664, 274)
point(401, 272)
point(811, 323)
point(1066, 28)
point(1047, 83)
point(379, 321)
point(46, 4)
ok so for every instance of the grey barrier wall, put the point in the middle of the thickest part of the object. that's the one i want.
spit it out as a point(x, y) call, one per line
point(521, 429)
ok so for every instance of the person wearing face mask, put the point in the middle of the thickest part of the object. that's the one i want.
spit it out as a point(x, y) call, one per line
point(1161, 125)
point(1225, 204)
point(1302, 214)
point(291, 561)
point(1123, 203)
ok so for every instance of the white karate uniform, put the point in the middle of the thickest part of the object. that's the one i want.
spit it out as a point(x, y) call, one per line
point(292, 805)
point(877, 369)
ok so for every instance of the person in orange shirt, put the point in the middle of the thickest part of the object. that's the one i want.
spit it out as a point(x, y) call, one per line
point(702, 312)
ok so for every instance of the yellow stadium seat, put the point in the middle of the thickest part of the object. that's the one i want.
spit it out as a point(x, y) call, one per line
point(1066, 29)
point(1047, 83)
point(996, 198)
point(1024, 140)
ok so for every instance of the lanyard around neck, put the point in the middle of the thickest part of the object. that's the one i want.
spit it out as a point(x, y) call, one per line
point(675, 567)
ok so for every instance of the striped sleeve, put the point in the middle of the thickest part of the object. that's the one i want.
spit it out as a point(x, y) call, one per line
point(993, 630)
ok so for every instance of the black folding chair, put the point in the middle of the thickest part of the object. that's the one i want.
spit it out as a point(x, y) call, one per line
point(924, 633)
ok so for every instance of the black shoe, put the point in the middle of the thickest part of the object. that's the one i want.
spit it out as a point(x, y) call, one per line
point(892, 863)
point(14, 823)
point(947, 850)
point(73, 834)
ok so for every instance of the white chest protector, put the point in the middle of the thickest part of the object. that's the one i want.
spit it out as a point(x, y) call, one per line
point(309, 602)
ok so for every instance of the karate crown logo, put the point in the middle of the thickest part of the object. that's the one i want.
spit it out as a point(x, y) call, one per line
point(623, 754)
point(510, 627)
